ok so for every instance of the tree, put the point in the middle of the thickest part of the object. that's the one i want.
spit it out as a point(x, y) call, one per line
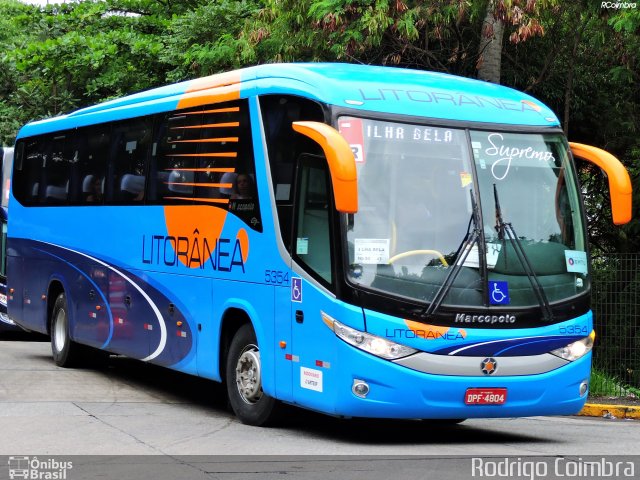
point(82, 53)
point(521, 17)
point(11, 38)
point(209, 38)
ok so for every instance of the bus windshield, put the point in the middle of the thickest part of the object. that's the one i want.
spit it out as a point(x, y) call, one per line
point(417, 189)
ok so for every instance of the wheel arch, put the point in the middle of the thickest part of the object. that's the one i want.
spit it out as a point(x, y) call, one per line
point(237, 314)
point(55, 288)
point(232, 320)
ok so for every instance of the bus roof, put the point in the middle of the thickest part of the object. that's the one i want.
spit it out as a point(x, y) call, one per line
point(361, 87)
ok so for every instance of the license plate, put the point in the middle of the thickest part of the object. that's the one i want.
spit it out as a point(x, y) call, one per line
point(485, 396)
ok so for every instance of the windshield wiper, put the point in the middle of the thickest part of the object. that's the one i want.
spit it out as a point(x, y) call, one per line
point(470, 238)
point(503, 227)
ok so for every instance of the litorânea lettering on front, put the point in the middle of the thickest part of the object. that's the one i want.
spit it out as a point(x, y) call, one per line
point(425, 334)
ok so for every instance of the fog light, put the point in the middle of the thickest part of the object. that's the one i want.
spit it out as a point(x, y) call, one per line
point(360, 388)
point(584, 386)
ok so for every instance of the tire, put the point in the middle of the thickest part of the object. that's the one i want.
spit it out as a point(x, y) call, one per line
point(66, 353)
point(244, 381)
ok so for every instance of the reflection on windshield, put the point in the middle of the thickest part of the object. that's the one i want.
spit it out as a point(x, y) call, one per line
point(414, 185)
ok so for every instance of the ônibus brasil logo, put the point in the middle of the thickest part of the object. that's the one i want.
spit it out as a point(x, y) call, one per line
point(36, 469)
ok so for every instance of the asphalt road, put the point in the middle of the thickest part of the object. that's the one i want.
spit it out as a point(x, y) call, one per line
point(131, 408)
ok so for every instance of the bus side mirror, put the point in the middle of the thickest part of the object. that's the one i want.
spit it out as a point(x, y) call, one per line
point(619, 181)
point(342, 163)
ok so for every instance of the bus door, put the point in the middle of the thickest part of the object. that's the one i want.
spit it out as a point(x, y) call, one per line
point(311, 283)
point(304, 294)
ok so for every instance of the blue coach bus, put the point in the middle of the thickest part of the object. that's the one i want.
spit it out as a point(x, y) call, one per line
point(361, 241)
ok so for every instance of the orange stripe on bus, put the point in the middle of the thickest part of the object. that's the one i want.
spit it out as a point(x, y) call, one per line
point(208, 219)
point(217, 185)
point(202, 200)
point(217, 110)
point(209, 125)
point(208, 140)
point(222, 154)
point(212, 170)
point(207, 96)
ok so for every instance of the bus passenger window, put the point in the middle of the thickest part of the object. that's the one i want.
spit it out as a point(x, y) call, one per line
point(244, 187)
point(92, 188)
point(90, 171)
point(57, 168)
point(28, 170)
point(131, 142)
point(171, 173)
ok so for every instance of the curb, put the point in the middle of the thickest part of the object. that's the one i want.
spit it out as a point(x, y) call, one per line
point(610, 411)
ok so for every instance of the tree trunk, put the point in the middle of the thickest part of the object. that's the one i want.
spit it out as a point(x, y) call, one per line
point(569, 86)
point(490, 51)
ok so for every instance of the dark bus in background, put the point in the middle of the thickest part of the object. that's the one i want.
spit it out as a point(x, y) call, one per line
point(6, 324)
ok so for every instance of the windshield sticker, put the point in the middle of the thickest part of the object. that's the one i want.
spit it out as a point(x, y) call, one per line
point(302, 246)
point(371, 251)
point(576, 261)
point(351, 130)
point(465, 179)
point(492, 253)
point(499, 293)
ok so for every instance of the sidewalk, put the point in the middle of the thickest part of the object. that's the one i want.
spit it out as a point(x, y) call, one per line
point(611, 411)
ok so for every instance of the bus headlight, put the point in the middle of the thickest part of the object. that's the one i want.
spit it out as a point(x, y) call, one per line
point(577, 349)
point(372, 344)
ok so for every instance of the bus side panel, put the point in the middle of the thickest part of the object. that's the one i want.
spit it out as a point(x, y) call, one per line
point(15, 280)
point(257, 302)
point(283, 358)
point(149, 318)
point(317, 373)
point(37, 270)
point(85, 292)
point(127, 337)
point(184, 303)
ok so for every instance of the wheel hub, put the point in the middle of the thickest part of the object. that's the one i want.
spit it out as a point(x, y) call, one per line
point(60, 331)
point(248, 377)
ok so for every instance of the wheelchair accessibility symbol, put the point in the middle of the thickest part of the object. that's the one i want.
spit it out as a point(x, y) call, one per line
point(296, 289)
point(499, 293)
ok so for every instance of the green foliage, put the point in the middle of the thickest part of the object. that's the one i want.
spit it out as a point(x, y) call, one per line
point(80, 53)
point(209, 39)
point(602, 384)
point(12, 36)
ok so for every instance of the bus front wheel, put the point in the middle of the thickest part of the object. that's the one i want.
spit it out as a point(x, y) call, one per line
point(244, 380)
point(65, 351)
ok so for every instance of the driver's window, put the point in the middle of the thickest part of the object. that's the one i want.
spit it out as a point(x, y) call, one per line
point(312, 216)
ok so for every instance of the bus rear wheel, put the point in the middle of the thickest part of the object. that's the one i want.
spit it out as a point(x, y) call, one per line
point(244, 380)
point(66, 353)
